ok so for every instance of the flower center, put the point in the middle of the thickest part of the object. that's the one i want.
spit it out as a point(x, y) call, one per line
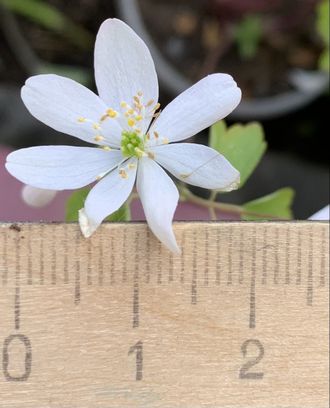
point(131, 144)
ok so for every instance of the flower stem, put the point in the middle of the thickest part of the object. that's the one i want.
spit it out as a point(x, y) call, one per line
point(187, 195)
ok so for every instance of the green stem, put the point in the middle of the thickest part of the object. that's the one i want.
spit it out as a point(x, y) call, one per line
point(187, 195)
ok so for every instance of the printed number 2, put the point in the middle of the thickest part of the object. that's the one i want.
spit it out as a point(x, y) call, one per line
point(244, 372)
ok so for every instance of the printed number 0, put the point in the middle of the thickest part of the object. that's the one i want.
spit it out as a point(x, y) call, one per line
point(28, 357)
point(244, 373)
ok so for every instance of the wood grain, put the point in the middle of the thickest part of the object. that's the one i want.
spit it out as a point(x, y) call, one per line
point(240, 319)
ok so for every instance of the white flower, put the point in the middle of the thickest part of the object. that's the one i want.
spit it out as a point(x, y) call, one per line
point(37, 197)
point(133, 141)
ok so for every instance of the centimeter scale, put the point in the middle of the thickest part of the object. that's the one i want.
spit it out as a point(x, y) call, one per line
point(240, 319)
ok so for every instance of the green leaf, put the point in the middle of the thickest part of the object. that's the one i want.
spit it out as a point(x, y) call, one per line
point(275, 205)
point(242, 145)
point(76, 201)
point(248, 34)
point(322, 21)
point(51, 18)
point(324, 62)
point(322, 25)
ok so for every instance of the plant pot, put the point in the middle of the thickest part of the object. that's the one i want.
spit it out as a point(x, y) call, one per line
point(307, 85)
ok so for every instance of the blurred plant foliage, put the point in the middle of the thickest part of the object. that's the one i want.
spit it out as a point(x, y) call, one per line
point(248, 34)
point(52, 19)
point(322, 24)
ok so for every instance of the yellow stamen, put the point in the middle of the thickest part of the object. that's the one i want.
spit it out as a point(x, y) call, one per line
point(150, 103)
point(130, 111)
point(123, 174)
point(139, 117)
point(112, 113)
point(157, 106)
point(165, 140)
point(107, 148)
point(98, 138)
point(156, 134)
point(131, 166)
point(81, 120)
point(140, 94)
point(96, 126)
point(123, 104)
point(131, 122)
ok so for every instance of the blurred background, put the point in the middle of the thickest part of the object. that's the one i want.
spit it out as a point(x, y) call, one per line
point(275, 49)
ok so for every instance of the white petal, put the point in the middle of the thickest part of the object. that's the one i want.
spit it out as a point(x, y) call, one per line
point(107, 196)
point(198, 165)
point(37, 197)
point(123, 65)
point(60, 102)
point(60, 167)
point(87, 226)
point(206, 102)
point(159, 197)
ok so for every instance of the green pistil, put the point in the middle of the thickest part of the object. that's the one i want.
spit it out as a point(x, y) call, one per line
point(131, 144)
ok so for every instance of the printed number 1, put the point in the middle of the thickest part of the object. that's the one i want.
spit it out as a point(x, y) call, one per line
point(138, 349)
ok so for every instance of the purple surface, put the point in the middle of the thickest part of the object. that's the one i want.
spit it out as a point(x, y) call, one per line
point(13, 209)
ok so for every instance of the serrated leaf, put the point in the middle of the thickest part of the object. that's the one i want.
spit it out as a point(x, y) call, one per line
point(275, 205)
point(242, 145)
point(77, 200)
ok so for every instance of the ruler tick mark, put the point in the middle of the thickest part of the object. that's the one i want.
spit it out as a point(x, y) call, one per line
point(101, 260)
point(124, 260)
point(264, 258)
point(287, 256)
point(136, 287)
point(41, 256)
point(218, 264)
point(299, 256)
point(17, 308)
point(171, 268)
point(194, 271)
point(310, 270)
point(207, 266)
point(89, 262)
point(65, 260)
point(241, 258)
point(276, 261)
point(77, 294)
point(53, 260)
point(323, 261)
point(29, 259)
point(230, 257)
point(5, 261)
point(159, 264)
point(252, 316)
point(147, 270)
point(182, 258)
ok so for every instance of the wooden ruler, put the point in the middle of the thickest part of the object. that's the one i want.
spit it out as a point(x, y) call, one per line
point(239, 320)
